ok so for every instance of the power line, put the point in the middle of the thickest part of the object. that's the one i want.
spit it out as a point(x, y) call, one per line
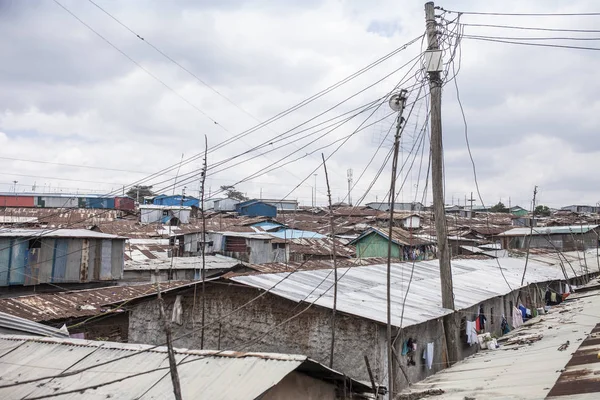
point(522, 14)
point(491, 39)
point(534, 38)
point(530, 28)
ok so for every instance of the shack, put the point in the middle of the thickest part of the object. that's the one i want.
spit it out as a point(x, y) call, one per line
point(405, 246)
point(563, 238)
point(168, 215)
point(37, 256)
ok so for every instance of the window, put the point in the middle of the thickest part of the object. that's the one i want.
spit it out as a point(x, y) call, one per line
point(278, 246)
point(165, 213)
point(35, 244)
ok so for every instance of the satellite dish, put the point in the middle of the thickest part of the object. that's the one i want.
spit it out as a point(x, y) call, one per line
point(397, 100)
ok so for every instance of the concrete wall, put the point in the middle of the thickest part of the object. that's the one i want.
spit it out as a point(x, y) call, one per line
point(309, 333)
point(302, 387)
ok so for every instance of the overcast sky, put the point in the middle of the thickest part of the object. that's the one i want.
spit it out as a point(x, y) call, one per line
point(69, 97)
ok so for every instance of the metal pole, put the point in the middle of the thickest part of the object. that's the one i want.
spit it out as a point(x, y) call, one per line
point(335, 273)
point(392, 198)
point(437, 180)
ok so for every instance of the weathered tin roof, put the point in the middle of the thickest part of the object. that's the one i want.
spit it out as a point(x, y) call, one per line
point(54, 233)
point(321, 247)
point(202, 374)
point(362, 290)
point(536, 370)
point(400, 236)
point(80, 303)
point(550, 230)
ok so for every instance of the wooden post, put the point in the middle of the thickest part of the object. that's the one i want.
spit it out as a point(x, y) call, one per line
point(170, 352)
point(437, 183)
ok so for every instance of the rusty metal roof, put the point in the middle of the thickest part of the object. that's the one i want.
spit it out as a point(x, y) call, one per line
point(205, 374)
point(321, 247)
point(54, 233)
point(80, 303)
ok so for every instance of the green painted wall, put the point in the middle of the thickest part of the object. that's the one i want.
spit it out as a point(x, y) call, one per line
point(374, 245)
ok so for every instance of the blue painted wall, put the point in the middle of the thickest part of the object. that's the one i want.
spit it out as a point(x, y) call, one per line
point(175, 200)
point(256, 209)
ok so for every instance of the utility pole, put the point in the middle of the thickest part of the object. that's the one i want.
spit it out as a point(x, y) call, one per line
point(170, 351)
point(315, 202)
point(471, 200)
point(350, 181)
point(532, 223)
point(335, 273)
point(203, 215)
point(397, 103)
point(434, 67)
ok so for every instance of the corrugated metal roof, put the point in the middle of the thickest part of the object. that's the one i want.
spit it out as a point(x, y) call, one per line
point(12, 219)
point(161, 207)
point(72, 233)
point(24, 326)
point(550, 230)
point(529, 371)
point(296, 234)
point(202, 374)
point(80, 303)
point(321, 247)
point(362, 290)
point(142, 262)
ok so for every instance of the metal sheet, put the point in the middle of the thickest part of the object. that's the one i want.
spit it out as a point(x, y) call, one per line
point(550, 230)
point(105, 260)
point(362, 290)
point(62, 233)
point(59, 263)
point(5, 249)
point(202, 374)
point(73, 270)
point(17, 263)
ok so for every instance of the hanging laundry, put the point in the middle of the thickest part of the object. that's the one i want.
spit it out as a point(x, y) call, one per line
point(428, 355)
point(405, 348)
point(471, 333)
point(523, 311)
point(517, 318)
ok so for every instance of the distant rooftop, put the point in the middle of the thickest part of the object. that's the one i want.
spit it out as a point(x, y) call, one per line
point(72, 233)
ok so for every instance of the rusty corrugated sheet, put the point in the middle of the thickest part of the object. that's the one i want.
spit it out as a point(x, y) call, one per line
point(582, 372)
point(81, 303)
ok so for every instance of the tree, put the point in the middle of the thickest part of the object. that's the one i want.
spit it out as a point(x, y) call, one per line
point(232, 193)
point(542, 210)
point(138, 192)
point(500, 207)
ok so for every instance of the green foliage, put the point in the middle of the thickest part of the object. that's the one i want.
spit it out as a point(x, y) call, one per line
point(542, 210)
point(500, 207)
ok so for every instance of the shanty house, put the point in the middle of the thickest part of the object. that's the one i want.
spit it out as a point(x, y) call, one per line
point(175, 200)
point(282, 205)
point(153, 260)
point(36, 256)
point(518, 211)
point(405, 246)
point(562, 238)
point(291, 312)
point(414, 206)
point(168, 215)
point(225, 204)
point(256, 208)
point(581, 209)
point(253, 248)
point(203, 374)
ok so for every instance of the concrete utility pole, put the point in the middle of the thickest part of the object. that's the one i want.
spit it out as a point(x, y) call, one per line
point(315, 201)
point(437, 180)
point(397, 103)
point(350, 181)
point(471, 200)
